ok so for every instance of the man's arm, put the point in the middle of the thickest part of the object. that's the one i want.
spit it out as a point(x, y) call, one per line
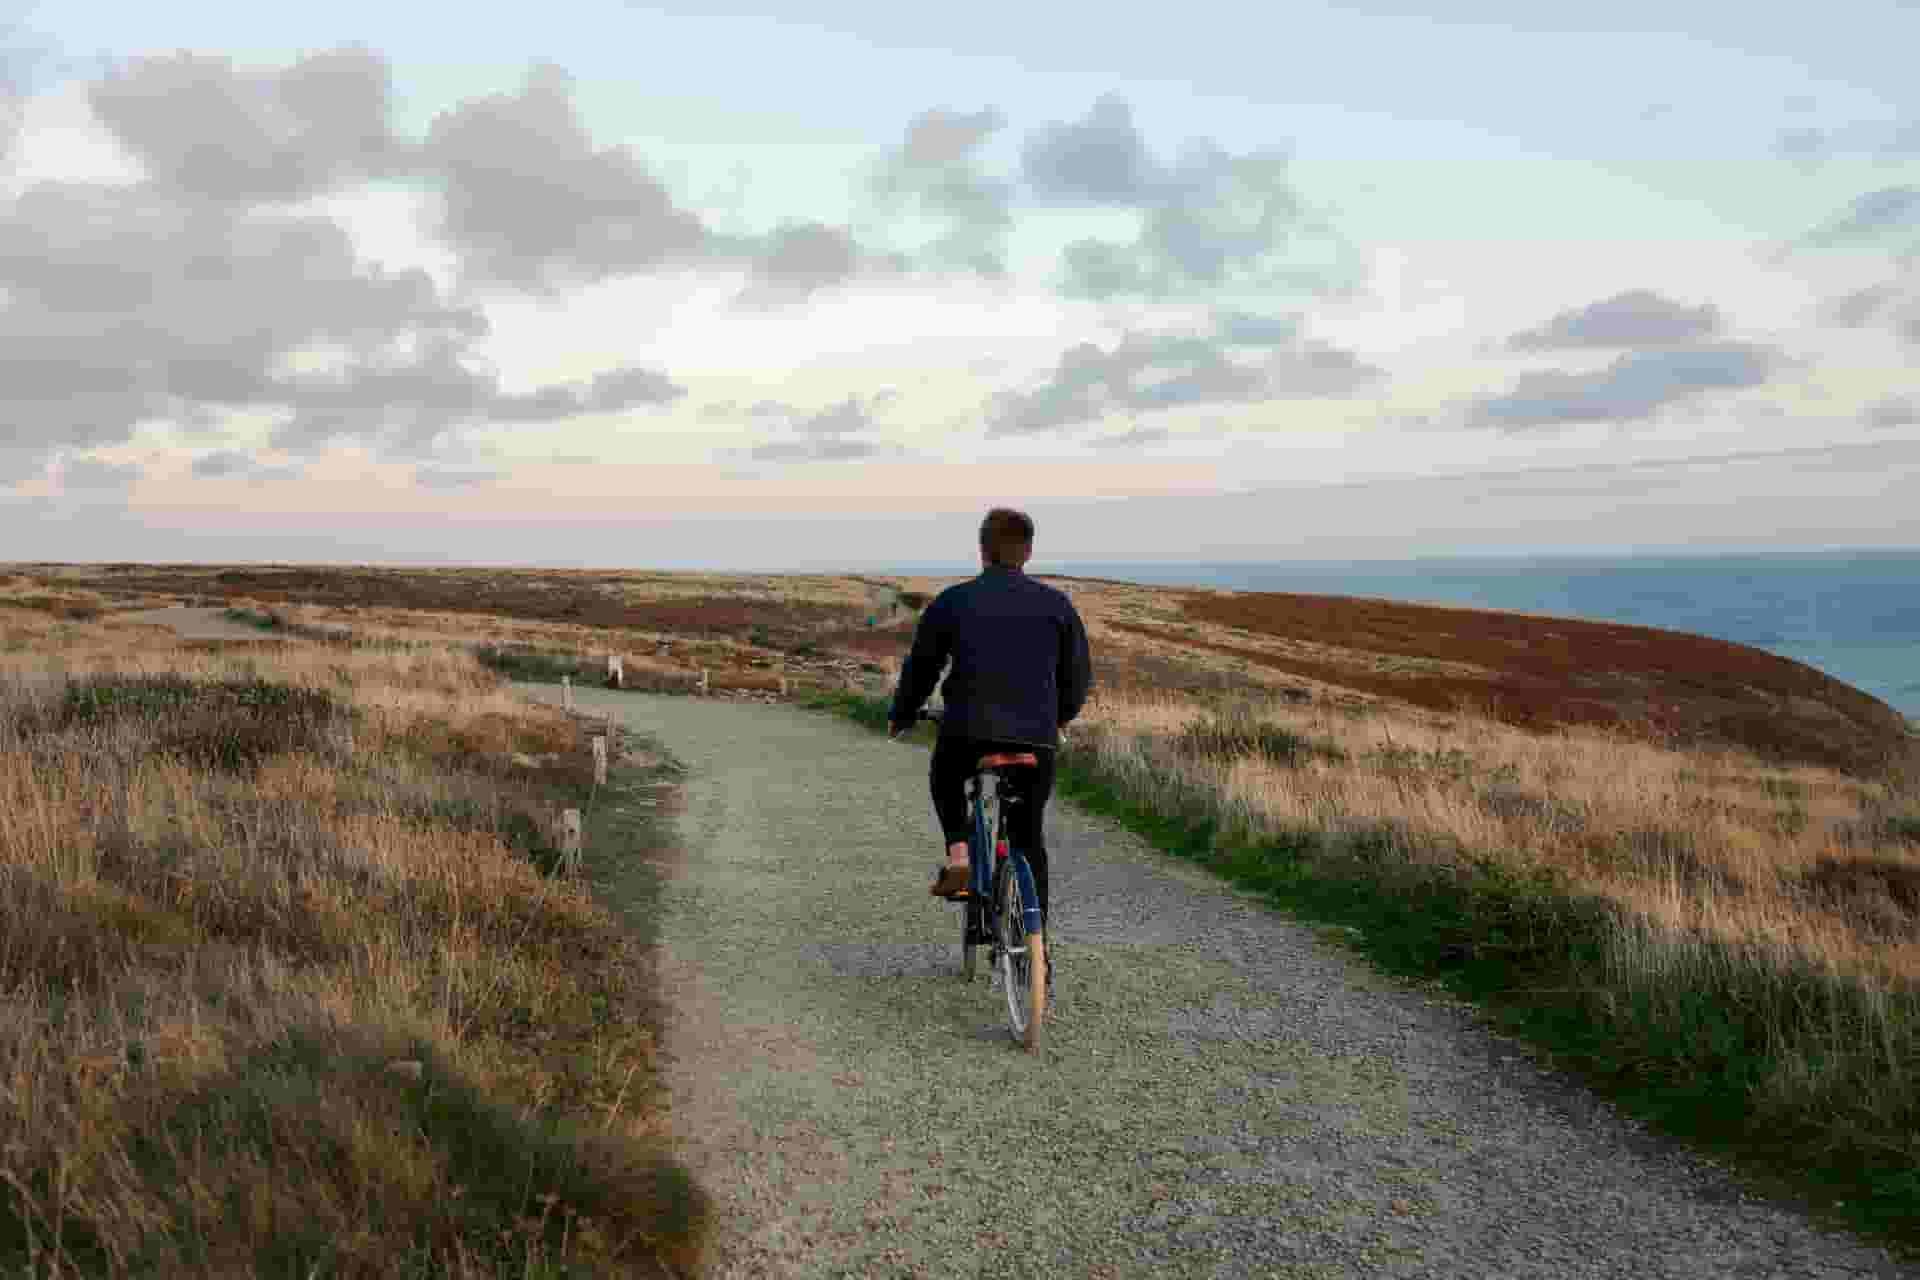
point(921, 671)
point(1076, 666)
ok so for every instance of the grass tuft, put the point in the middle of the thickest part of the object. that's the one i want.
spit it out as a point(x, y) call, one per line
point(1239, 733)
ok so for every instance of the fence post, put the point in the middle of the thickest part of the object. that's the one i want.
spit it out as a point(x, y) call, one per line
point(567, 836)
point(616, 671)
point(706, 683)
point(566, 692)
point(600, 759)
point(783, 686)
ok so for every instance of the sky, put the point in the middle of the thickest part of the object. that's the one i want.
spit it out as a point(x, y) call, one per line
point(770, 286)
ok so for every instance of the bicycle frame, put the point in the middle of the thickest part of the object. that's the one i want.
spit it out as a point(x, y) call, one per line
point(986, 839)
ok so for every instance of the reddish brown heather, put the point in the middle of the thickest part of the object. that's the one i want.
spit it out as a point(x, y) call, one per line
point(1540, 672)
point(585, 599)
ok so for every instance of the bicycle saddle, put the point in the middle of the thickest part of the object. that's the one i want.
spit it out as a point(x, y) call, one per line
point(1006, 759)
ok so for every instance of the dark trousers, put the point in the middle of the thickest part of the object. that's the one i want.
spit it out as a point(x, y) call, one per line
point(955, 760)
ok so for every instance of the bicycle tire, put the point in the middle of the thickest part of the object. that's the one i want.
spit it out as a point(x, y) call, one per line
point(1022, 959)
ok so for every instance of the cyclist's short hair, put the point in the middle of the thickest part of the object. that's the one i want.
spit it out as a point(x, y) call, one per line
point(1006, 536)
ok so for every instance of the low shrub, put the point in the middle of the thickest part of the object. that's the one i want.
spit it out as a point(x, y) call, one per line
point(1238, 733)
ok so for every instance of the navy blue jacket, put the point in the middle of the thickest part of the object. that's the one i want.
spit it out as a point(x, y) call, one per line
point(1020, 665)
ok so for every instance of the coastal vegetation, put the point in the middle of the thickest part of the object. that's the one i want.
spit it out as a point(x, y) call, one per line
point(290, 981)
point(1685, 870)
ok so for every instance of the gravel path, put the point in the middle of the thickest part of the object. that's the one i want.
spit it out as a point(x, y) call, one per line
point(198, 623)
point(1222, 1094)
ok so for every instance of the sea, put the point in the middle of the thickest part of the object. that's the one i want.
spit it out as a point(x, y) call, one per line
point(1852, 614)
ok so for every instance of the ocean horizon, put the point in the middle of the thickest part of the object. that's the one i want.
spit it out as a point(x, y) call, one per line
point(1854, 615)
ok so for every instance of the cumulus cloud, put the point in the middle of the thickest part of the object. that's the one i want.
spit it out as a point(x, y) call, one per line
point(1893, 303)
point(130, 303)
point(937, 177)
point(203, 128)
point(1251, 329)
point(617, 390)
point(531, 202)
point(942, 137)
point(1632, 387)
point(1886, 219)
point(843, 432)
point(1145, 372)
point(208, 288)
point(1875, 217)
point(1100, 160)
point(1213, 223)
point(1894, 411)
point(1636, 318)
point(799, 260)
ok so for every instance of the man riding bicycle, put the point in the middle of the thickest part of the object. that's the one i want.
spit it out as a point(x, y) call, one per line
point(1020, 670)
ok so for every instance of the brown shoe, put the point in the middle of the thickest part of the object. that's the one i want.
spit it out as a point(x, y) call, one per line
point(949, 880)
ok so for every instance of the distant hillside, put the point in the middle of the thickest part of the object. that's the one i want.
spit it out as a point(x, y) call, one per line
point(1542, 672)
point(1534, 671)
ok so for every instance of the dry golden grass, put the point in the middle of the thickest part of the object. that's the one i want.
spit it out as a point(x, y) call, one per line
point(1725, 880)
point(1756, 926)
point(1713, 842)
point(285, 982)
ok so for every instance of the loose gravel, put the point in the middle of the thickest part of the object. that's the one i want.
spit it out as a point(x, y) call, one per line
point(1222, 1093)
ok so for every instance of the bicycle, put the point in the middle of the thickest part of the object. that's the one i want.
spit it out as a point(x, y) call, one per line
point(1001, 907)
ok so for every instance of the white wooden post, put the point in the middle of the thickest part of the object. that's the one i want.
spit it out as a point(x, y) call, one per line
point(600, 760)
point(783, 686)
point(566, 692)
point(706, 682)
point(616, 671)
point(567, 836)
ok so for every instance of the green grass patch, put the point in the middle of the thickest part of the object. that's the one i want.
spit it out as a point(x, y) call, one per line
point(254, 618)
point(535, 666)
point(1699, 1058)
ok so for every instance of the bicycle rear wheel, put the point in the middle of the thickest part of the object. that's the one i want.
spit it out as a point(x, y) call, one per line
point(1022, 959)
point(972, 925)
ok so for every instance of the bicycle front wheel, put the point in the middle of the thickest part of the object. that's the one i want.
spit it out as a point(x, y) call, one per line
point(1023, 960)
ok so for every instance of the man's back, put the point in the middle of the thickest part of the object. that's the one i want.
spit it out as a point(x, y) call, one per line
point(1020, 663)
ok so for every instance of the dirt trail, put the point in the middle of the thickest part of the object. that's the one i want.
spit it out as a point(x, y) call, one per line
point(1222, 1094)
